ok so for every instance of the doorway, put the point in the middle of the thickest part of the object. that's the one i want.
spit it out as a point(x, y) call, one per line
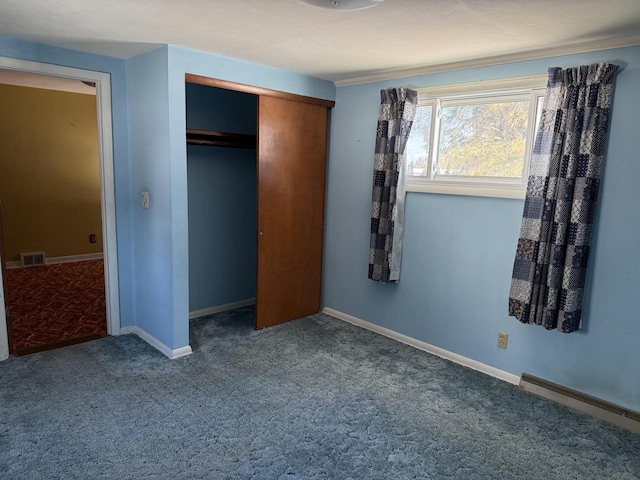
point(106, 182)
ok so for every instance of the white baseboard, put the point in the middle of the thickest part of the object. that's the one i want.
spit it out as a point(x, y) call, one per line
point(221, 308)
point(127, 330)
point(67, 259)
point(157, 344)
point(440, 352)
point(75, 258)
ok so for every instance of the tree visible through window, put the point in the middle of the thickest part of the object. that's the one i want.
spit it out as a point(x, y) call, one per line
point(483, 140)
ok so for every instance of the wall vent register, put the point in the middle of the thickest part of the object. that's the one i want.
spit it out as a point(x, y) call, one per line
point(32, 259)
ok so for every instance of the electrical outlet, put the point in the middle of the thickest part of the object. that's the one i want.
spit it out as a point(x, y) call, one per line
point(145, 199)
point(92, 238)
point(502, 339)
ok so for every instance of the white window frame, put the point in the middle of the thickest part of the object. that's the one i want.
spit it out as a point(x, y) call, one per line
point(531, 87)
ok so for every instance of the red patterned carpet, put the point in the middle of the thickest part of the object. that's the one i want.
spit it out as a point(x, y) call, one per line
point(56, 305)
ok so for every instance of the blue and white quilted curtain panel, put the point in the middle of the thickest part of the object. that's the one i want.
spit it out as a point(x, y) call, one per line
point(547, 285)
point(397, 111)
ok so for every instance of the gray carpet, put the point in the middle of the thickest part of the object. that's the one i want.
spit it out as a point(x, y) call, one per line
point(310, 399)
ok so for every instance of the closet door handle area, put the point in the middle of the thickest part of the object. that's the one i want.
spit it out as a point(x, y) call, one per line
point(260, 232)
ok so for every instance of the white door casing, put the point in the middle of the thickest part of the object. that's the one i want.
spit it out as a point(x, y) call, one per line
point(107, 184)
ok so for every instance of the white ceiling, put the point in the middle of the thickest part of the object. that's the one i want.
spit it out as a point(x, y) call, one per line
point(397, 35)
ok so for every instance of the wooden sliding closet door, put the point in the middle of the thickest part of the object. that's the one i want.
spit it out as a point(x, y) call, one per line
point(292, 138)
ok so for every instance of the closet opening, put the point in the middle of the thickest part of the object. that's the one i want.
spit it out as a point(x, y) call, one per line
point(222, 196)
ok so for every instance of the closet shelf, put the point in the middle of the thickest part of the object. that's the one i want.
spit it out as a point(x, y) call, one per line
point(220, 139)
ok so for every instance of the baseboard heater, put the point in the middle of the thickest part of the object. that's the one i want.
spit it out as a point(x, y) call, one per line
point(582, 402)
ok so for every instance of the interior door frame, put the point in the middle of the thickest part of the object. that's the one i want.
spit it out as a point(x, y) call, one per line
point(242, 87)
point(4, 333)
point(107, 184)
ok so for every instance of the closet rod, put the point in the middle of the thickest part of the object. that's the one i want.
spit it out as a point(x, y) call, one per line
point(220, 139)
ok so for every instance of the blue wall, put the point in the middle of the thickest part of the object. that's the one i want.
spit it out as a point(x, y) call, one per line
point(150, 172)
point(459, 250)
point(222, 200)
point(13, 48)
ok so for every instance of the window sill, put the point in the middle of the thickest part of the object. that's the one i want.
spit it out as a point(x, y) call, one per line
point(498, 191)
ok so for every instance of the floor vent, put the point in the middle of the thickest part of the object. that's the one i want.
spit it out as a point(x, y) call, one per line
point(33, 259)
point(595, 407)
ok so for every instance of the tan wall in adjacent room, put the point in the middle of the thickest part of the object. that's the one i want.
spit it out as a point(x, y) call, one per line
point(49, 172)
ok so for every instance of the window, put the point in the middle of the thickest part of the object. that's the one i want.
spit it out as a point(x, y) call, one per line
point(475, 139)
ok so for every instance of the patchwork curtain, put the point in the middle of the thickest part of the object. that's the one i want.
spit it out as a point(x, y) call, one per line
point(549, 271)
point(397, 111)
